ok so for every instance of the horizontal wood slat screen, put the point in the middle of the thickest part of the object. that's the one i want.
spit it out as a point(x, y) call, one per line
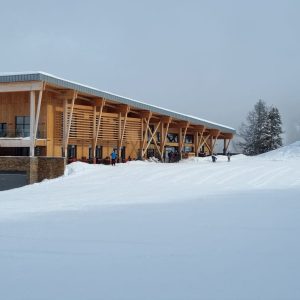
point(82, 126)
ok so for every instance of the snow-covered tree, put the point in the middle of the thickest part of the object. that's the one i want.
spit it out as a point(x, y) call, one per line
point(274, 126)
point(262, 130)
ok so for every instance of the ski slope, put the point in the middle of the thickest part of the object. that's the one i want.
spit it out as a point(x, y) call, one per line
point(145, 230)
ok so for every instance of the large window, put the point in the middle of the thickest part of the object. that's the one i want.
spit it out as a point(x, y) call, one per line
point(189, 139)
point(72, 151)
point(98, 152)
point(3, 129)
point(172, 137)
point(188, 149)
point(22, 126)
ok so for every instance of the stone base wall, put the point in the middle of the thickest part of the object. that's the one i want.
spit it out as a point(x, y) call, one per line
point(36, 168)
point(50, 167)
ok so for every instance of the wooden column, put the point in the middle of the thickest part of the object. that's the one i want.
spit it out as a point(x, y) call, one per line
point(214, 133)
point(227, 138)
point(37, 116)
point(32, 121)
point(200, 131)
point(146, 116)
point(96, 125)
point(123, 109)
point(152, 138)
point(65, 125)
point(161, 144)
point(69, 123)
point(196, 142)
point(163, 135)
point(210, 144)
point(182, 126)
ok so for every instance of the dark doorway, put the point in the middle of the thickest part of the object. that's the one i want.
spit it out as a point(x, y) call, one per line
point(11, 180)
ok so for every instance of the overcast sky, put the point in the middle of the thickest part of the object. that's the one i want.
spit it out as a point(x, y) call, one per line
point(212, 59)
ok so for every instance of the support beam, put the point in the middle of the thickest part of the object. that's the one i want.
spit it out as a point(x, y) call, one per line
point(96, 127)
point(65, 126)
point(32, 121)
point(69, 122)
point(226, 148)
point(164, 134)
point(21, 86)
point(146, 116)
point(214, 140)
point(37, 116)
point(182, 136)
point(151, 138)
point(204, 142)
point(200, 129)
point(126, 111)
point(154, 140)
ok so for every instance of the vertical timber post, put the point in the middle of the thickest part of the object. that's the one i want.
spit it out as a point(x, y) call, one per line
point(32, 121)
point(65, 127)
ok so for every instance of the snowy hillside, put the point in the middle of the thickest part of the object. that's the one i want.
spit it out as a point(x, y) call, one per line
point(145, 230)
point(290, 152)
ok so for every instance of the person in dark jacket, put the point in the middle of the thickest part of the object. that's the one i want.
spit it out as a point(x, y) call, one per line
point(228, 156)
point(213, 158)
point(113, 156)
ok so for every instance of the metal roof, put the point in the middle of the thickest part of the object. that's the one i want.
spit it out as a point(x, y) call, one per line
point(51, 79)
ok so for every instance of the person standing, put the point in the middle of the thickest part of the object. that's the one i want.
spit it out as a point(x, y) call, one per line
point(228, 156)
point(213, 158)
point(113, 156)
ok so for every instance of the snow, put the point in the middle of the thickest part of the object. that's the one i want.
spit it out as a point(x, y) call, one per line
point(145, 230)
point(290, 152)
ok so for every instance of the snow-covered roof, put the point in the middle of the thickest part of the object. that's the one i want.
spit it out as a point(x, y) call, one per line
point(51, 79)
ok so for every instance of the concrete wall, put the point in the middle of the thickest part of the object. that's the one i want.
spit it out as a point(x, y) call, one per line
point(36, 168)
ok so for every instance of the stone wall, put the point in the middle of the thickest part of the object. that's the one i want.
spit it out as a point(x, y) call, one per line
point(50, 167)
point(36, 168)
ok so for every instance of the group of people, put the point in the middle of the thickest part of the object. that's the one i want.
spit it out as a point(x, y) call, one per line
point(214, 157)
point(172, 156)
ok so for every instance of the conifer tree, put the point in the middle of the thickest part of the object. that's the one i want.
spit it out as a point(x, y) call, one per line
point(262, 131)
point(275, 130)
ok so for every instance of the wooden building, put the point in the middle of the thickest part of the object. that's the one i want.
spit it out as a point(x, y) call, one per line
point(42, 115)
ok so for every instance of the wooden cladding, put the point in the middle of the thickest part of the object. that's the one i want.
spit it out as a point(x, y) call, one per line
point(82, 126)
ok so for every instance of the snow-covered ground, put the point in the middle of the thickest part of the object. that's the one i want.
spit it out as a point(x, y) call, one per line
point(192, 230)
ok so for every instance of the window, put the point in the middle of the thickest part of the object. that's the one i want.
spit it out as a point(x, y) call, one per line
point(172, 137)
point(3, 129)
point(22, 126)
point(72, 151)
point(188, 149)
point(98, 152)
point(189, 139)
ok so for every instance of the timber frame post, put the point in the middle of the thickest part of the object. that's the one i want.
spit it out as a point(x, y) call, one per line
point(214, 133)
point(227, 139)
point(68, 120)
point(182, 135)
point(200, 140)
point(125, 109)
point(37, 115)
point(32, 121)
point(146, 117)
point(163, 135)
point(152, 138)
point(96, 125)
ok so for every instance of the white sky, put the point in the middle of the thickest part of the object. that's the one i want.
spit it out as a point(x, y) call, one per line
point(213, 59)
